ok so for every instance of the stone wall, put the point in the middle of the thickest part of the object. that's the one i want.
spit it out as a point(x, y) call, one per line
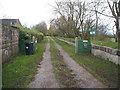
point(104, 52)
point(10, 38)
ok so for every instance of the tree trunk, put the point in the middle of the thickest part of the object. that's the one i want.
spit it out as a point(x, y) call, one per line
point(119, 36)
point(117, 30)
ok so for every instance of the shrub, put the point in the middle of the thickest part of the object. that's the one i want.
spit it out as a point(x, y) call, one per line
point(26, 34)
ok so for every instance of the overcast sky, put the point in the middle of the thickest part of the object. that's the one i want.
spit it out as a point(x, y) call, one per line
point(29, 12)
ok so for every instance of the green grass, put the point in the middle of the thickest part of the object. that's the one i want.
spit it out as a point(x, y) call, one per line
point(69, 38)
point(20, 70)
point(102, 43)
point(62, 73)
point(105, 71)
point(106, 43)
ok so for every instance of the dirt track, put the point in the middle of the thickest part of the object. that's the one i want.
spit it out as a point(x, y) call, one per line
point(84, 78)
point(45, 77)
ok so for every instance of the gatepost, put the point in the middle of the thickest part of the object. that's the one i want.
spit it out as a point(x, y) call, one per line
point(76, 45)
point(119, 25)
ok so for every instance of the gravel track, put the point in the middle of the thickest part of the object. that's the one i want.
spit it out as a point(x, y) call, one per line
point(45, 77)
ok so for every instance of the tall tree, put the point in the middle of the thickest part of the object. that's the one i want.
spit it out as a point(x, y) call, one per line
point(114, 7)
point(115, 10)
point(42, 27)
point(74, 15)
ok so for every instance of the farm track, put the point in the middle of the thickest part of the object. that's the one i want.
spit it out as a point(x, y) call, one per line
point(45, 77)
point(84, 78)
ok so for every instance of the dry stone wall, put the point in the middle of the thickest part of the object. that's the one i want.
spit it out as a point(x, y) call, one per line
point(104, 52)
point(10, 38)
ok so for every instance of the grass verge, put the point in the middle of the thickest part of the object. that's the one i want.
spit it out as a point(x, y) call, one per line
point(20, 70)
point(103, 70)
point(62, 73)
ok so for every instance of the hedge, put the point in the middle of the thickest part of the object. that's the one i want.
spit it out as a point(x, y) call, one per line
point(25, 34)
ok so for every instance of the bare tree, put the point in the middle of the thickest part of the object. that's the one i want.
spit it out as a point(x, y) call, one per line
point(66, 12)
point(88, 25)
point(77, 18)
point(115, 10)
point(81, 17)
point(74, 14)
point(114, 6)
point(96, 4)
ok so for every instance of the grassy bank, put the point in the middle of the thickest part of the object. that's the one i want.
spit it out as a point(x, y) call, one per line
point(105, 71)
point(20, 70)
point(62, 73)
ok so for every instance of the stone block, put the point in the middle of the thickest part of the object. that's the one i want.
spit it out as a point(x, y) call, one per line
point(102, 48)
point(5, 54)
point(110, 50)
point(114, 51)
point(95, 46)
point(118, 52)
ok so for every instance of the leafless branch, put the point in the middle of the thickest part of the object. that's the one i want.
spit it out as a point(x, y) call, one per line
point(102, 13)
